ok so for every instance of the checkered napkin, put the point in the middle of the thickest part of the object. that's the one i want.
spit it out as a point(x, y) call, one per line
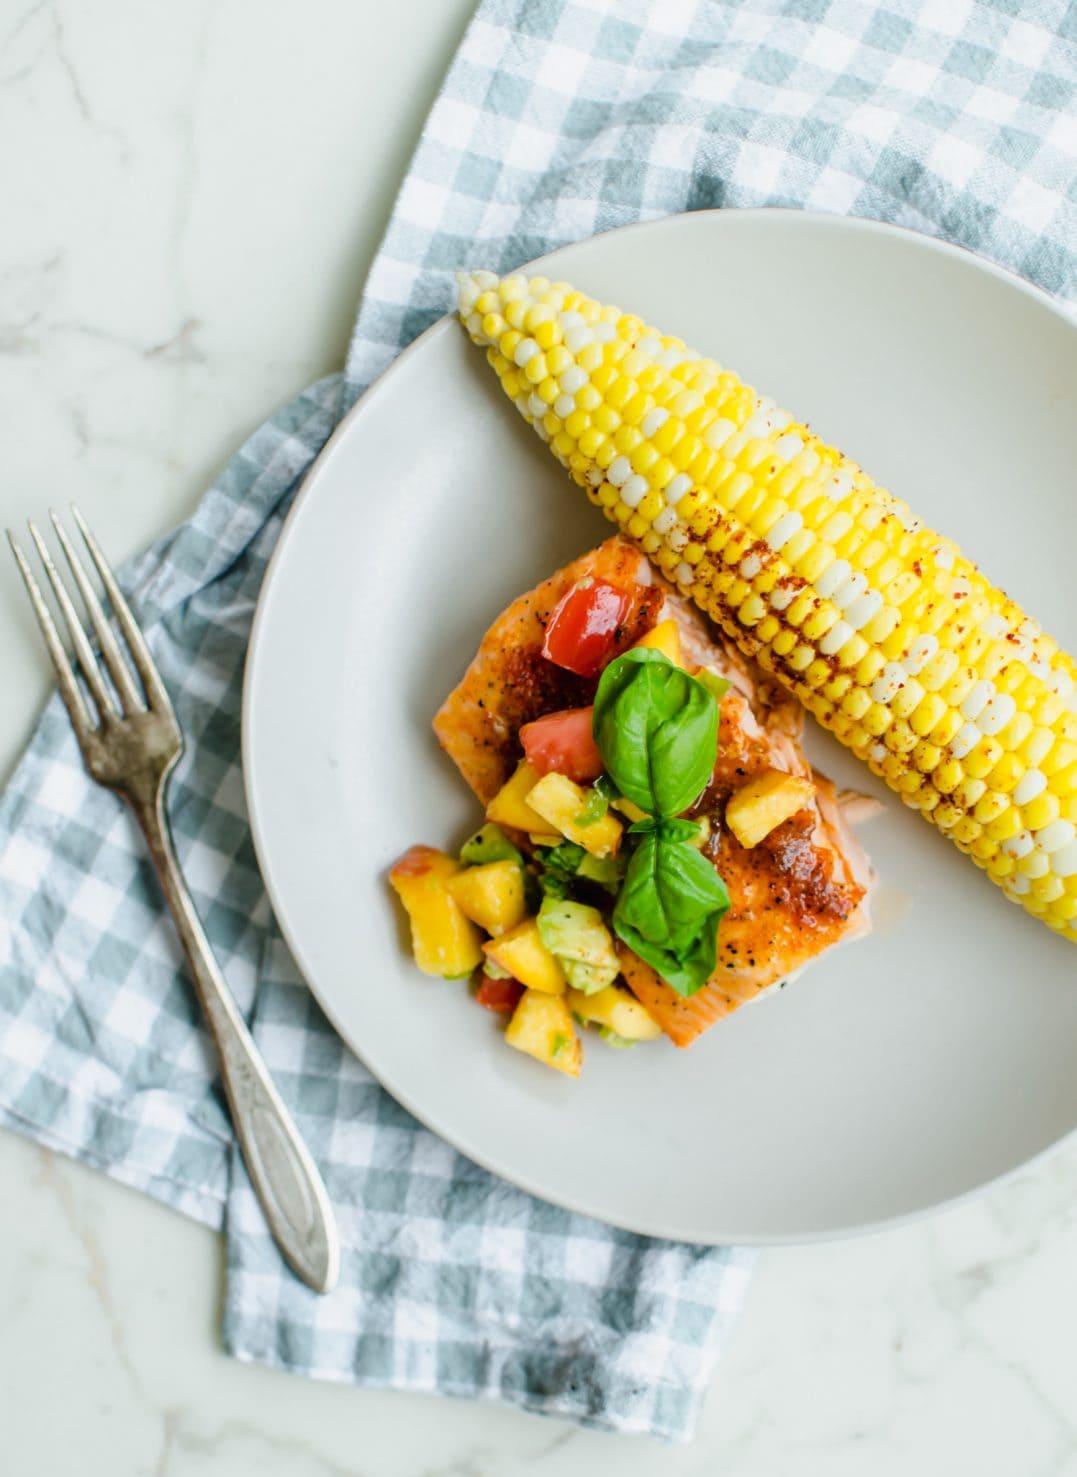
point(558, 118)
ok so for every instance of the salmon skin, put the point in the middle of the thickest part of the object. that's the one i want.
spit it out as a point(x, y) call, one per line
point(799, 892)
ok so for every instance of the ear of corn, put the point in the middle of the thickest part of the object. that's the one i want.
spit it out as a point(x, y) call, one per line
point(882, 628)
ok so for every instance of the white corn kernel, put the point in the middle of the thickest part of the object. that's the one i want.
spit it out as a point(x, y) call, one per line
point(784, 530)
point(1018, 846)
point(920, 652)
point(620, 469)
point(849, 590)
point(864, 609)
point(835, 638)
point(718, 433)
point(888, 683)
point(1032, 783)
point(1055, 836)
point(965, 740)
point(678, 486)
point(997, 713)
point(838, 487)
point(977, 699)
point(833, 577)
point(634, 490)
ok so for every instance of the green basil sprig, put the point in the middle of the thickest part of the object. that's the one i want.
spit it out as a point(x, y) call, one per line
point(657, 731)
point(671, 903)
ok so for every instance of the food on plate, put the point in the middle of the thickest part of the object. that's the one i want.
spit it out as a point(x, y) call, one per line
point(611, 888)
point(756, 808)
point(542, 1026)
point(443, 939)
point(880, 627)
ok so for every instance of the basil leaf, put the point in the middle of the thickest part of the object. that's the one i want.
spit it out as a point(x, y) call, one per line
point(558, 866)
point(657, 731)
point(670, 906)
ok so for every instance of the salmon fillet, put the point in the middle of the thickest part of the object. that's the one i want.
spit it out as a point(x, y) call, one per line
point(796, 894)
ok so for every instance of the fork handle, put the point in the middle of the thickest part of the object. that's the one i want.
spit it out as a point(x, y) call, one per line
point(284, 1175)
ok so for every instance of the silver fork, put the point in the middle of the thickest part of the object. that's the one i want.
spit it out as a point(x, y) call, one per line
point(130, 742)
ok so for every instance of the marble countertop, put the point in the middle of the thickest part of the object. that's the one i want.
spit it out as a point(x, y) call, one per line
point(192, 195)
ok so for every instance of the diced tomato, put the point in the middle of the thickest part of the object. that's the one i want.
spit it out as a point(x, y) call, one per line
point(582, 631)
point(501, 996)
point(562, 743)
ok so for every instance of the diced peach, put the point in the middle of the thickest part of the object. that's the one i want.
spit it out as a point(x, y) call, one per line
point(765, 802)
point(443, 939)
point(492, 895)
point(665, 638)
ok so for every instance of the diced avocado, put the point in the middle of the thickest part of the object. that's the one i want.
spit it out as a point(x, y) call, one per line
point(586, 978)
point(606, 871)
point(489, 844)
point(495, 971)
point(577, 937)
point(715, 685)
point(611, 1038)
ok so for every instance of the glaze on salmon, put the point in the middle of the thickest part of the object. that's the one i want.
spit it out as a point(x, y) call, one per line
point(796, 894)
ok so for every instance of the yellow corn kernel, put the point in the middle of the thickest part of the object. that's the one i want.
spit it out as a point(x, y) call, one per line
point(910, 590)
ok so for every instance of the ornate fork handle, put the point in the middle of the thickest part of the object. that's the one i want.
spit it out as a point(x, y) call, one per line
point(130, 741)
point(284, 1175)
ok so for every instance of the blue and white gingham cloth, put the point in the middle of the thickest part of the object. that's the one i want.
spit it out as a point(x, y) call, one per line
point(558, 118)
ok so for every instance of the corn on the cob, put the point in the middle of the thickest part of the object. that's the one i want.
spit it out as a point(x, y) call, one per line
point(882, 628)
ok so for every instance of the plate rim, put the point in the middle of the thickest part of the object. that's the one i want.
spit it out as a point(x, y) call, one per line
point(521, 1180)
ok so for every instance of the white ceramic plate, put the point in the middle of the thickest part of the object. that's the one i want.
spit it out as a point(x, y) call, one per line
point(897, 1074)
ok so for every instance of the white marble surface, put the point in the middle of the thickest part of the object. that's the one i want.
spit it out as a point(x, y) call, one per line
point(191, 194)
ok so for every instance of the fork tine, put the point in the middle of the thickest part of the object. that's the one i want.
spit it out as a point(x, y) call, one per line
point(130, 699)
point(69, 691)
point(83, 650)
point(136, 641)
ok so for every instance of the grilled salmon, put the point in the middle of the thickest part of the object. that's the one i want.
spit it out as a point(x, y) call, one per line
point(797, 893)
